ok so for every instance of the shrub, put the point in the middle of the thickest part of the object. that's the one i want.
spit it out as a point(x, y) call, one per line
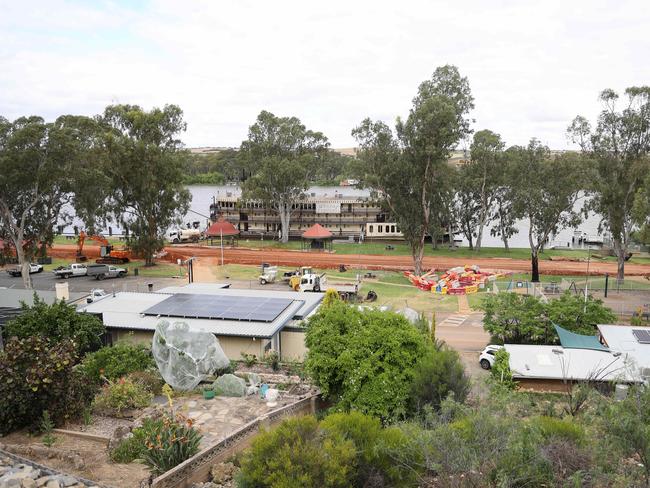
point(117, 361)
point(438, 374)
point(295, 454)
point(331, 296)
point(363, 360)
point(57, 322)
point(47, 427)
point(121, 395)
point(500, 370)
point(150, 380)
point(272, 360)
point(377, 450)
point(134, 446)
point(35, 375)
point(551, 428)
point(169, 442)
point(249, 359)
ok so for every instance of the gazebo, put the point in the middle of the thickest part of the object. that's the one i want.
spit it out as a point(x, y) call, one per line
point(221, 228)
point(318, 236)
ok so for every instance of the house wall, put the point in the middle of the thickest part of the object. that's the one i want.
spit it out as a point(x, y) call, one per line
point(232, 346)
point(292, 344)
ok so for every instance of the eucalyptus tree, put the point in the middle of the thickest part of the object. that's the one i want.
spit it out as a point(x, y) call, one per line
point(546, 191)
point(145, 165)
point(406, 168)
point(482, 174)
point(40, 168)
point(282, 156)
point(619, 144)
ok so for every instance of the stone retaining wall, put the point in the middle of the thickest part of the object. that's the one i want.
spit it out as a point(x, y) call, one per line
point(197, 468)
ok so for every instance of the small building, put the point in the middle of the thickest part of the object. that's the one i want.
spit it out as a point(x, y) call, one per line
point(245, 321)
point(551, 368)
point(317, 237)
point(633, 343)
point(221, 229)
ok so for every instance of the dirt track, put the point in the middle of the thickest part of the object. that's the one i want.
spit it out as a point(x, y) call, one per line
point(371, 261)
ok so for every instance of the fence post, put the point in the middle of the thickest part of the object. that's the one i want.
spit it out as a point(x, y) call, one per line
point(606, 283)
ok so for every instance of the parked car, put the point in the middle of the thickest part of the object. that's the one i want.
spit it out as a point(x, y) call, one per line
point(95, 295)
point(486, 359)
point(33, 268)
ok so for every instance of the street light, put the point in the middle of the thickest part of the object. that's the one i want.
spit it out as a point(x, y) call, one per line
point(584, 310)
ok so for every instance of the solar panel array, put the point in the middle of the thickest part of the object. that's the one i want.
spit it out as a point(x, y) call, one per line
point(219, 307)
point(642, 335)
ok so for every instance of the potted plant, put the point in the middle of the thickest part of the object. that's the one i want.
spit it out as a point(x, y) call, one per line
point(208, 392)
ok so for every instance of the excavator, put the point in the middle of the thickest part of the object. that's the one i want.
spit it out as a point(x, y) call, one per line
point(109, 255)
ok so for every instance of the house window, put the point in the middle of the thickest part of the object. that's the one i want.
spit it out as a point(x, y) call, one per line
point(380, 229)
point(371, 229)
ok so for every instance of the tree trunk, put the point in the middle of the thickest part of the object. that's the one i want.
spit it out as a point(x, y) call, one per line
point(505, 242)
point(285, 215)
point(417, 250)
point(534, 260)
point(24, 265)
point(620, 249)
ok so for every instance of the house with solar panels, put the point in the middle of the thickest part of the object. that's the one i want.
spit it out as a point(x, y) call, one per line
point(244, 321)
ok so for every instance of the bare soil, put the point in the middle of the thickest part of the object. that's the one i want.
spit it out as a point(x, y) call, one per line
point(97, 465)
point(371, 261)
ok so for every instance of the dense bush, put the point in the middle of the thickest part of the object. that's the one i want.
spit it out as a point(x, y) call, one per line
point(297, 455)
point(57, 322)
point(551, 428)
point(378, 450)
point(150, 380)
point(438, 374)
point(36, 375)
point(117, 361)
point(524, 319)
point(134, 447)
point(364, 360)
point(122, 394)
point(500, 370)
point(169, 442)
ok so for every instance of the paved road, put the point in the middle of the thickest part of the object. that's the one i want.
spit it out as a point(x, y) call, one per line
point(82, 284)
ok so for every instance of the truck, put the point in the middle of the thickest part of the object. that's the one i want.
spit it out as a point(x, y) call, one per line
point(95, 295)
point(317, 283)
point(185, 235)
point(17, 271)
point(74, 269)
point(268, 274)
point(294, 277)
point(102, 271)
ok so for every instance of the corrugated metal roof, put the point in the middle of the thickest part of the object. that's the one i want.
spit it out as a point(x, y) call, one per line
point(620, 338)
point(194, 288)
point(125, 310)
point(558, 363)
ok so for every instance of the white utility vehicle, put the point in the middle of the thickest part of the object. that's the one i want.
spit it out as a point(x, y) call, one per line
point(75, 269)
point(317, 283)
point(486, 359)
point(33, 268)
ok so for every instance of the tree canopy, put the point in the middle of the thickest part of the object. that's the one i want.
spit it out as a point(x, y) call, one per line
point(282, 156)
point(406, 169)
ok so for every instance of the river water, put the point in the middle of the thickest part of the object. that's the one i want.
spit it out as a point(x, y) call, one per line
point(202, 196)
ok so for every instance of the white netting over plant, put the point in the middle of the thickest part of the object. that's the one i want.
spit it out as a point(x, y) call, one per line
point(185, 357)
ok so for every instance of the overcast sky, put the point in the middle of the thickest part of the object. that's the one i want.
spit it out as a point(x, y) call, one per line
point(532, 65)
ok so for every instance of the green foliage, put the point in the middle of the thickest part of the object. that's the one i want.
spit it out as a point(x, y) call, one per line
point(438, 374)
point(57, 322)
point(150, 380)
point(331, 296)
point(500, 370)
point(117, 361)
point(363, 360)
point(282, 156)
point(377, 448)
point(169, 443)
point(145, 168)
point(36, 375)
point(272, 359)
point(296, 454)
point(523, 319)
point(407, 170)
point(553, 428)
point(212, 178)
point(133, 447)
point(122, 394)
point(628, 426)
point(46, 428)
point(249, 359)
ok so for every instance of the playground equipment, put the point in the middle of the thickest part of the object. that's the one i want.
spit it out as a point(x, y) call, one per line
point(461, 280)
